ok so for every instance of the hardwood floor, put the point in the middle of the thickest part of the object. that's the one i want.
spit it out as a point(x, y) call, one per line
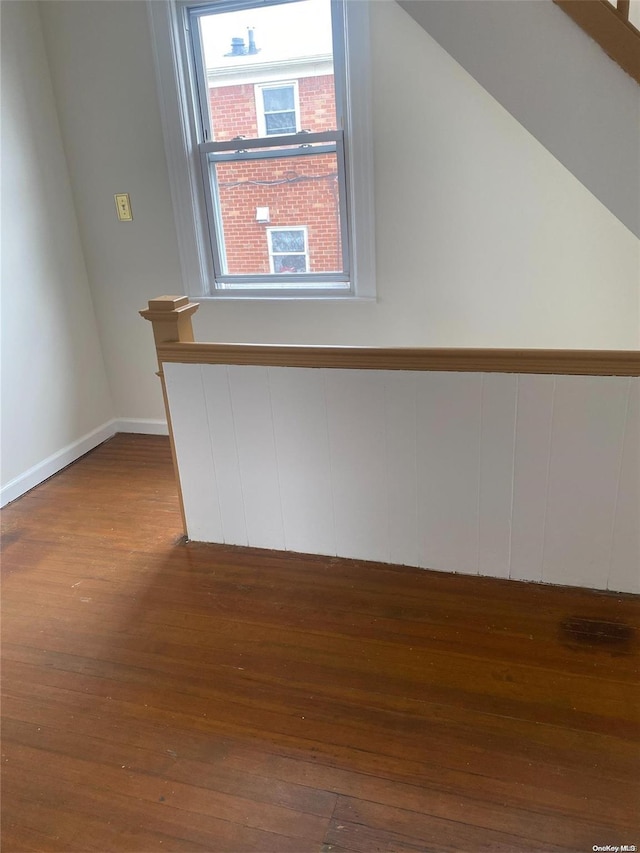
point(162, 695)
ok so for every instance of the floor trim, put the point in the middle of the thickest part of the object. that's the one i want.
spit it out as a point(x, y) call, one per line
point(41, 471)
point(145, 426)
point(56, 462)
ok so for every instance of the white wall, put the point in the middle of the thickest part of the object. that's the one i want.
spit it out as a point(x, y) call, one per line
point(54, 385)
point(561, 86)
point(104, 79)
point(526, 477)
point(483, 238)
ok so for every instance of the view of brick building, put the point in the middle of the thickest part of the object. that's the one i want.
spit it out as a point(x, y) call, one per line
point(279, 214)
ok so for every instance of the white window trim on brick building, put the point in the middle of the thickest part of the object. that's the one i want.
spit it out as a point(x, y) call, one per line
point(185, 175)
point(261, 111)
point(274, 253)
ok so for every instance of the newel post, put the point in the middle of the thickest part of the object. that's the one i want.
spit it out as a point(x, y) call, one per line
point(170, 318)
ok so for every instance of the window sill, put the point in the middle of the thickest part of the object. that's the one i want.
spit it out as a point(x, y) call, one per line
point(235, 297)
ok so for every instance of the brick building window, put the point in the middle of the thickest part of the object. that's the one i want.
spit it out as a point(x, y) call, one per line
point(268, 145)
point(288, 250)
point(277, 108)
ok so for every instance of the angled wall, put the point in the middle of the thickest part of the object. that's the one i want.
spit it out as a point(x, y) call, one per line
point(556, 81)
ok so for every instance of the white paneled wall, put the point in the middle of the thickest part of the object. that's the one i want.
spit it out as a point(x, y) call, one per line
point(529, 477)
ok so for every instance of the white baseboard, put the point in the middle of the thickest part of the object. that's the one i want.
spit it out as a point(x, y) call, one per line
point(59, 460)
point(56, 462)
point(142, 425)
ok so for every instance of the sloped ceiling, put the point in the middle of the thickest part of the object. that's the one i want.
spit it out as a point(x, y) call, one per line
point(555, 81)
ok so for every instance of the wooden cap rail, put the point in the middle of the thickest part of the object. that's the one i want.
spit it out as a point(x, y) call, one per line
point(584, 362)
point(171, 319)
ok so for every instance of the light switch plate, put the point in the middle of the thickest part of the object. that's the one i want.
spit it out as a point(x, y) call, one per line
point(123, 206)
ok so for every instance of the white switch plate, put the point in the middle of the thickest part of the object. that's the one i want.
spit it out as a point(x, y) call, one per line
point(123, 206)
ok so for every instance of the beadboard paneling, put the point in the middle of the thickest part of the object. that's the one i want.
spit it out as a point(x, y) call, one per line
point(586, 445)
point(402, 472)
point(448, 442)
point(624, 571)
point(355, 411)
point(302, 443)
point(534, 413)
point(194, 452)
point(497, 447)
point(255, 441)
point(215, 380)
point(525, 476)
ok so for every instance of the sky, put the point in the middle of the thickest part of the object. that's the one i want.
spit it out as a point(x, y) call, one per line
point(281, 32)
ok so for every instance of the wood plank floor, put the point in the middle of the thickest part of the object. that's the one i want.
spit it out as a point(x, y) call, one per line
point(162, 695)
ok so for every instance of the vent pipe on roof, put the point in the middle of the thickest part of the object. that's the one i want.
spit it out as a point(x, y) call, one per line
point(252, 42)
point(237, 47)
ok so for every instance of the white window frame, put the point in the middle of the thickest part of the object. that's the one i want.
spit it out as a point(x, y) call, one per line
point(178, 114)
point(260, 110)
point(305, 233)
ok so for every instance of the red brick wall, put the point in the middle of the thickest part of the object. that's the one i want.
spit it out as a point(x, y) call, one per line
point(317, 103)
point(298, 192)
point(233, 108)
point(305, 195)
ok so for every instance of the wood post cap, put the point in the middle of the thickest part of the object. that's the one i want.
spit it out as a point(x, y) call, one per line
point(167, 303)
point(164, 307)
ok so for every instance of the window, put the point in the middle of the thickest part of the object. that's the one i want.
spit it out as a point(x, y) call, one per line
point(259, 115)
point(288, 252)
point(277, 109)
point(246, 153)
